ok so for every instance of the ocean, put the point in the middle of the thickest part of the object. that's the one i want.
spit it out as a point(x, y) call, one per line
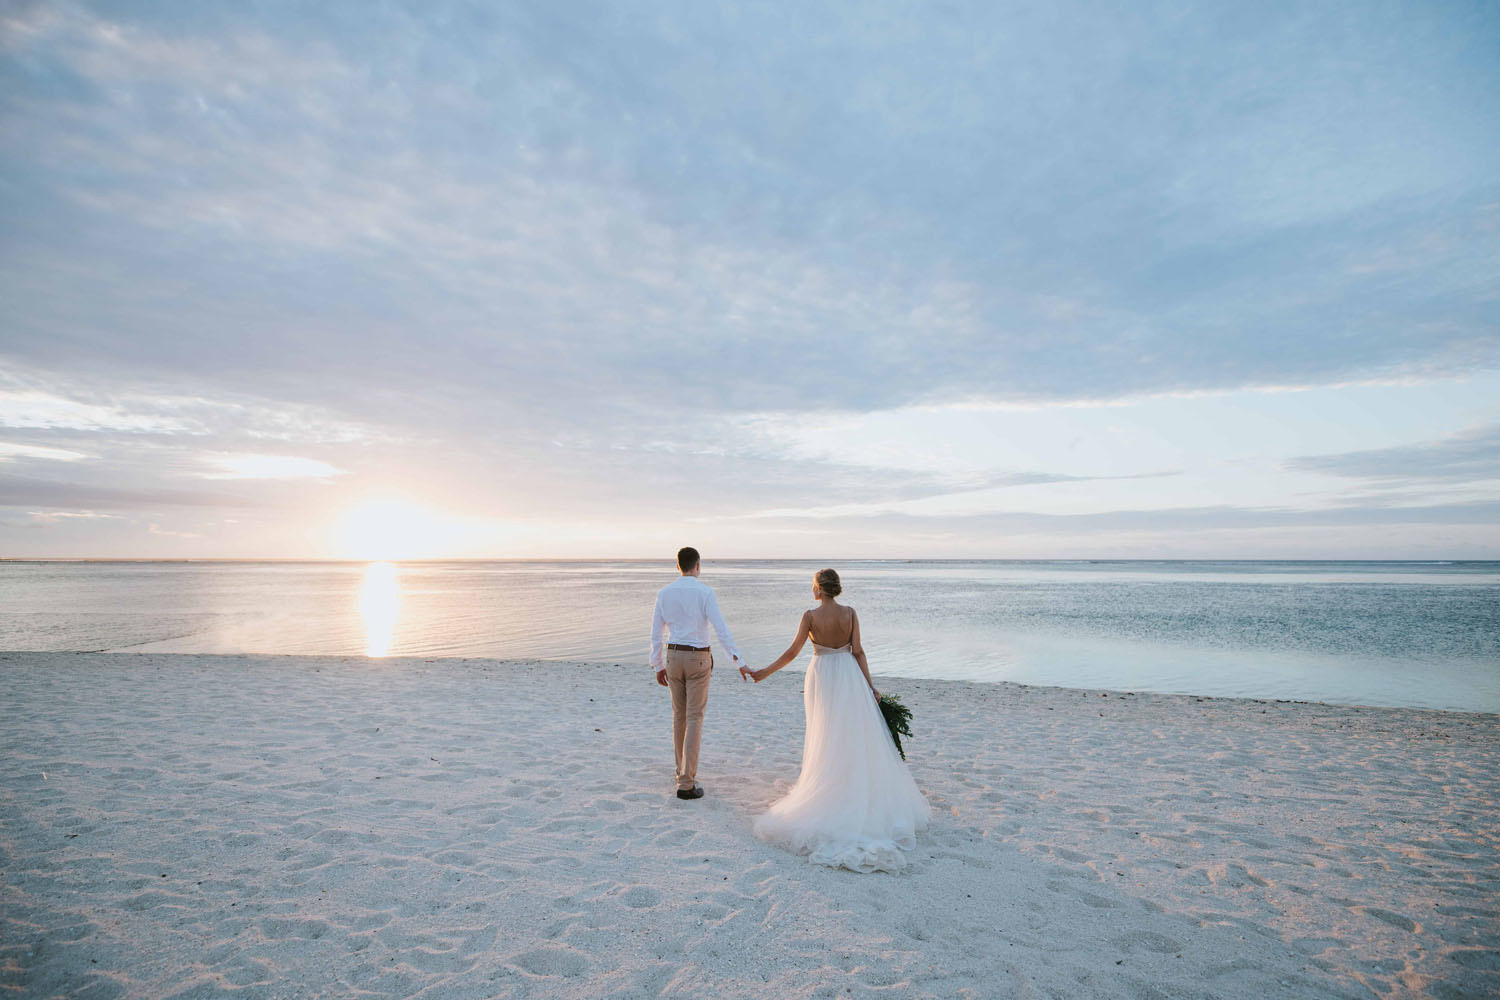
point(1421, 634)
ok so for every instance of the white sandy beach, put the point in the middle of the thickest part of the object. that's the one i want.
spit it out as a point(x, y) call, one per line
point(196, 826)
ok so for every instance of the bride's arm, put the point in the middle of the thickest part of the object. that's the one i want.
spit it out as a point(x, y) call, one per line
point(803, 627)
point(858, 649)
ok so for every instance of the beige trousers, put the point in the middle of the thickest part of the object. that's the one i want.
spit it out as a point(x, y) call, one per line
point(687, 676)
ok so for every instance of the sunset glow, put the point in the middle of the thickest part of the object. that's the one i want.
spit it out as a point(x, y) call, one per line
point(391, 529)
point(379, 606)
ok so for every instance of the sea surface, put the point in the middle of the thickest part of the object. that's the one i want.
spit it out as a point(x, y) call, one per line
point(1373, 633)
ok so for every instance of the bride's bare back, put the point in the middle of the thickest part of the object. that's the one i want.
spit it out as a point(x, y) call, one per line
point(831, 625)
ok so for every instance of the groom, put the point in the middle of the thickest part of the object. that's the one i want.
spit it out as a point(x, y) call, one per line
point(685, 608)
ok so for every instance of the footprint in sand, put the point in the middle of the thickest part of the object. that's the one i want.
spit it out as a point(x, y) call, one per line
point(967, 860)
point(914, 929)
point(239, 839)
point(456, 859)
point(370, 921)
point(1477, 958)
point(551, 962)
point(1400, 920)
point(1096, 901)
point(281, 928)
point(710, 912)
point(1083, 896)
point(1238, 874)
point(148, 900)
point(640, 897)
point(1147, 941)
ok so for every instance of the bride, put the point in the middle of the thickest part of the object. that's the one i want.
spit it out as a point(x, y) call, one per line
point(855, 804)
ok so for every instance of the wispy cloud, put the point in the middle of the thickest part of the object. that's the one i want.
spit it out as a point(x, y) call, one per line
point(1471, 455)
point(54, 516)
point(45, 410)
point(97, 406)
point(10, 451)
point(25, 491)
point(269, 467)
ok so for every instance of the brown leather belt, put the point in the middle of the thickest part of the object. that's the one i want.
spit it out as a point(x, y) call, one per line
point(688, 649)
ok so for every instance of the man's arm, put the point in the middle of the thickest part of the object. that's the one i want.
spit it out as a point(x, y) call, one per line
point(658, 625)
point(717, 621)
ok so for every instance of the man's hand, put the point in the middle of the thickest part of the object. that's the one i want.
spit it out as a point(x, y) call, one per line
point(661, 677)
point(747, 674)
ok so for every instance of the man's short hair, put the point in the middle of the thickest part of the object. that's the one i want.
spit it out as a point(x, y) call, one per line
point(687, 558)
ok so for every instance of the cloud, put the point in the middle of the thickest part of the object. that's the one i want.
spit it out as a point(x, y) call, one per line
point(46, 410)
point(269, 467)
point(543, 256)
point(1472, 455)
point(1186, 521)
point(24, 491)
point(105, 407)
point(158, 530)
point(11, 451)
point(54, 516)
point(910, 493)
point(571, 209)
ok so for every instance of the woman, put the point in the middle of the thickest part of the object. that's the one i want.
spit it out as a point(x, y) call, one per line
point(854, 805)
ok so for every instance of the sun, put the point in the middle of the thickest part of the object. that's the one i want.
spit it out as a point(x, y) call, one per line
point(390, 529)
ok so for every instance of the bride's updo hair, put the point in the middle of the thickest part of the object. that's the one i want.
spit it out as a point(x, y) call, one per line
point(828, 582)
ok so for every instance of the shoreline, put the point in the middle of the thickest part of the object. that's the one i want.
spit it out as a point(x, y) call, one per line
point(795, 668)
point(176, 822)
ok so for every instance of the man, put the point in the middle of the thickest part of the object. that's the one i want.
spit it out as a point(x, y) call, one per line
point(685, 608)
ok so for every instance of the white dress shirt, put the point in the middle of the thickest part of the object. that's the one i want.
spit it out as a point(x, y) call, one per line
point(686, 607)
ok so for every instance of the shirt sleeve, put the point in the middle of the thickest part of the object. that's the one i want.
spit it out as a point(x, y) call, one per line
point(717, 621)
point(658, 624)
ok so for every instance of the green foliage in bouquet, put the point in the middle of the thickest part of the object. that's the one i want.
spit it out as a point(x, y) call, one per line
point(897, 719)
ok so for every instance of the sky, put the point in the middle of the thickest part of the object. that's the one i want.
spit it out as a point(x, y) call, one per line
point(374, 280)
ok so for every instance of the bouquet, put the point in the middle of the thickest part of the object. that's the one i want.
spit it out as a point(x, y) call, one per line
point(897, 719)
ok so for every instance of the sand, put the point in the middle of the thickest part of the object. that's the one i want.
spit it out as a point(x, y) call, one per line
point(196, 826)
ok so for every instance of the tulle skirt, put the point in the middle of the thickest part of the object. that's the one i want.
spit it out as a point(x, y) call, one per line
point(855, 804)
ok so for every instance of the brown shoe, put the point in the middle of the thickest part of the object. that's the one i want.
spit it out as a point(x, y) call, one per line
point(696, 792)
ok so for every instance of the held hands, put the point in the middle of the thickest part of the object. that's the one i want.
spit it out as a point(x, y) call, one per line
point(746, 674)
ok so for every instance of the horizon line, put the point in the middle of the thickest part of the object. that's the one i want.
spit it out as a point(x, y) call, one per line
point(729, 559)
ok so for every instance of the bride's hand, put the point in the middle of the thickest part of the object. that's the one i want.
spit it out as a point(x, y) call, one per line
point(875, 693)
point(747, 674)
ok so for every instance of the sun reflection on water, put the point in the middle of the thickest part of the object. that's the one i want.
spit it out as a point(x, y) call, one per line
point(379, 606)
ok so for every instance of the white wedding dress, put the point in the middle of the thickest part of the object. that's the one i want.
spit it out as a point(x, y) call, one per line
point(855, 804)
